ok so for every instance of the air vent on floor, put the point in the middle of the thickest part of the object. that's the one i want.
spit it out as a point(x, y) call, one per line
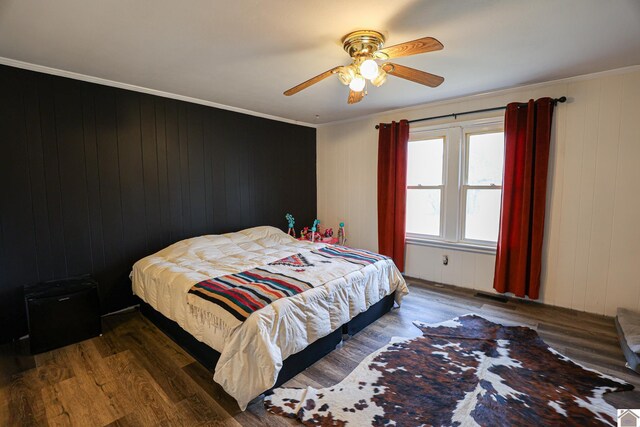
point(492, 297)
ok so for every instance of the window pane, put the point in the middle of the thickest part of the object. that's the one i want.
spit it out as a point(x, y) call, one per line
point(425, 162)
point(423, 211)
point(483, 214)
point(486, 158)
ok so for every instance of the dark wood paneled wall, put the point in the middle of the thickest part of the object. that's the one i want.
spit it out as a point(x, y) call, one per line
point(93, 178)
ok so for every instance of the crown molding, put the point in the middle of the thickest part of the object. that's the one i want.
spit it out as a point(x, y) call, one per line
point(91, 79)
point(481, 95)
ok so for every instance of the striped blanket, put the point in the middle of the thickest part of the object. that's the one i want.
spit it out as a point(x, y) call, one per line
point(243, 293)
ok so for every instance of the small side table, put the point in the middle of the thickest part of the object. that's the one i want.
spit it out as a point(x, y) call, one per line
point(62, 312)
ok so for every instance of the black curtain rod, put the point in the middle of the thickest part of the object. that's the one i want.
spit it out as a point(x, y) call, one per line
point(561, 100)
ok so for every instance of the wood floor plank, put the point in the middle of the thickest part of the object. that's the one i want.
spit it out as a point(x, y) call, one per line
point(204, 378)
point(141, 397)
point(25, 406)
point(169, 348)
point(108, 344)
point(165, 373)
point(14, 358)
point(205, 411)
point(132, 419)
point(81, 401)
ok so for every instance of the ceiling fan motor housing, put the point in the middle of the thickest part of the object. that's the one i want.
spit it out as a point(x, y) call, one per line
point(362, 43)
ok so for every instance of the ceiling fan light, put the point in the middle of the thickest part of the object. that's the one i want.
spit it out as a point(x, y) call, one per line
point(357, 84)
point(380, 78)
point(345, 75)
point(369, 69)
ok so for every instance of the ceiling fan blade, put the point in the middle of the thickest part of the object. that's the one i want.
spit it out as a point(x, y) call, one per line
point(311, 81)
point(414, 47)
point(355, 97)
point(412, 74)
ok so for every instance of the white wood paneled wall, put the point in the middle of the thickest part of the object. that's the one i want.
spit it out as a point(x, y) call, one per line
point(592, 239)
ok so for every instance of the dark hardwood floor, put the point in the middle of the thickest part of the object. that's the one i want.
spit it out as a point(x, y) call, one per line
point(135, 375)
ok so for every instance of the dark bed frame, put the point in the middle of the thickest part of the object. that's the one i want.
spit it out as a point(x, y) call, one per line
point(293, 364)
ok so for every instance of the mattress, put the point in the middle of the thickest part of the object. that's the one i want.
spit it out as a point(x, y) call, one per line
point(252, 351)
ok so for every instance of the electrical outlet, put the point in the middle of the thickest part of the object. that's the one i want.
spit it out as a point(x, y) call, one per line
point(445, 259)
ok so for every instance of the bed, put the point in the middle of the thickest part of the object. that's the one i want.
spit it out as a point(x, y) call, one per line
point(336, 286)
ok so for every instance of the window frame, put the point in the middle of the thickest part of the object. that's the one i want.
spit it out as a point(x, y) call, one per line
point(455, 170)
point(425, 135)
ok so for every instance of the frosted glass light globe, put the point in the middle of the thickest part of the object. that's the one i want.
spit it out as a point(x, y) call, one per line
point(380, 79)
point(369, 69)
point(357, 84)
point(346, 74)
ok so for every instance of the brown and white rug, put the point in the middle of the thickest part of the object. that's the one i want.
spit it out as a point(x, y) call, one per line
point(466, 371)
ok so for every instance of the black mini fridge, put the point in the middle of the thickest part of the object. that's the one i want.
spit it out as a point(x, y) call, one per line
point(62, 312)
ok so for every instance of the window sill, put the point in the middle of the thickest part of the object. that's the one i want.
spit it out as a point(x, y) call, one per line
point(458, 246)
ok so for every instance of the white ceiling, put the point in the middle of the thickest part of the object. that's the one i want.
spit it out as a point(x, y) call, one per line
point(245, 53)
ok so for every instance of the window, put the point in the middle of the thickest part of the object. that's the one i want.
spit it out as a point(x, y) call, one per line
point(454, 184)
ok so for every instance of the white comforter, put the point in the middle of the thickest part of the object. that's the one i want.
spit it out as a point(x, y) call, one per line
point(252, 351)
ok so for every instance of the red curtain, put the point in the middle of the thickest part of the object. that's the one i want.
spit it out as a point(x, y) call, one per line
point(527, 130)
point(393, 143)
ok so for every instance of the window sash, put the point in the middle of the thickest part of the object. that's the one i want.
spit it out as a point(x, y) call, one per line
point(463, 214)
point(441, 188)
point(420, 136)
point(468, 133)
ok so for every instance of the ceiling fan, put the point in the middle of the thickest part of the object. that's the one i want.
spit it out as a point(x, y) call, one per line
point(365, 47)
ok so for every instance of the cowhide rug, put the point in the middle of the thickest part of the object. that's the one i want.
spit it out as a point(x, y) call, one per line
point(463, 372)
